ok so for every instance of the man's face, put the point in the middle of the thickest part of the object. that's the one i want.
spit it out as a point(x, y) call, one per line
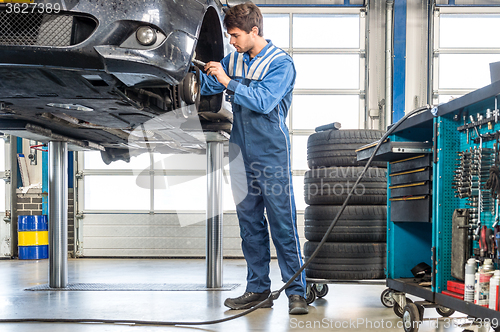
point(242, 41)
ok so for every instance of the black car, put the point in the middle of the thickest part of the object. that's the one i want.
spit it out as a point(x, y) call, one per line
point(111, 75)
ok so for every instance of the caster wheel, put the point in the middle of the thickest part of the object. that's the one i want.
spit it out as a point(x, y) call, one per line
point(398, 310)
point(445, 312)
point(310, 294)
point(421, 310)
point(387, 299)
point(320, 289)
point(411, 318)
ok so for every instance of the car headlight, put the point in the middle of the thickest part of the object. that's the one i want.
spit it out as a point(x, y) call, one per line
point(146, 36)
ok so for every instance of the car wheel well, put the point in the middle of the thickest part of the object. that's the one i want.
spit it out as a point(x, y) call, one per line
point(210, 45)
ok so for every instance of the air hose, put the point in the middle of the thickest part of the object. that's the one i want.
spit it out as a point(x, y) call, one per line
point(273, 296)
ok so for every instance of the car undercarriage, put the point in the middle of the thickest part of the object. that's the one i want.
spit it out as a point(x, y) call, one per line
point(110, 75)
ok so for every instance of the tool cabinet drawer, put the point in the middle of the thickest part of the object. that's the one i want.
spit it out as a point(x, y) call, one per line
point(416, 175)
point(411, 209)
point(411, 189)
point(411, 163)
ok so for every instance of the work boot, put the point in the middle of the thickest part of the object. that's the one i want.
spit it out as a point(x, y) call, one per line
point(297, 305)
point(249, 300)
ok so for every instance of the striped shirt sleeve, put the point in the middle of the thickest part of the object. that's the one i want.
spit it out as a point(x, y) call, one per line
point(209, 85)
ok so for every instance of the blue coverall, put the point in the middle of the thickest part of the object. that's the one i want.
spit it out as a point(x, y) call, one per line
point(260, 92)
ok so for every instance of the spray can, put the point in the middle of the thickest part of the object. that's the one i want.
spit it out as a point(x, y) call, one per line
point(482, 289)
point(470, 272)
point(476, 285)
point(494, 285)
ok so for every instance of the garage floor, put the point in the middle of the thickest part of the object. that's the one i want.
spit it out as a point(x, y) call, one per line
point(346, 307)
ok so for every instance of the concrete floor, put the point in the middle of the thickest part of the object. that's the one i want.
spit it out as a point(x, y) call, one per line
point(355, 307)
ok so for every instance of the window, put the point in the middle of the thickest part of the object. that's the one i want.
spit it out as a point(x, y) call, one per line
point(474, 70)
point(342, 31)
point(118, 192)
point(149, 182)
point(330, 71)
point(327, 71)
point(277, 26)
point(466, 42)
point(323, 109)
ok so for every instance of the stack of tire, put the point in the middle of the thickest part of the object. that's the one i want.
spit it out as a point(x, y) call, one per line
point(356, 248)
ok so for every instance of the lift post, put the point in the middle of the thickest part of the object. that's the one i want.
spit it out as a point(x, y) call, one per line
point(215, 169)
point(58, 214)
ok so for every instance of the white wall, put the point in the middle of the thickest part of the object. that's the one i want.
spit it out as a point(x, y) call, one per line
point(158, 235)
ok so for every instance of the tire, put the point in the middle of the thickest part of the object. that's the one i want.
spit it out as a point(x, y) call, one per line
point(330, 186)
point(345, 275)
point(356, 223)
point(346, 268)
point(340, 173)
point(338, 147)
point(323, 148)
point(334, 157)
point(421, 310)
point(345, 223)
point(411, 318)
point(400, 311)
point(346, 261)
point(347, 234)
point(445, 312)
point(327, 159)
point(321, 291)
point(349, 261)
point(322, 215)
point(189, 90)
point(310, 294)
point(386, 298)
point(347, 136)
point(345, 250)
point(373, 197)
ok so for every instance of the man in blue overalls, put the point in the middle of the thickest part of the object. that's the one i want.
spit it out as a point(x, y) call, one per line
point(259, 80)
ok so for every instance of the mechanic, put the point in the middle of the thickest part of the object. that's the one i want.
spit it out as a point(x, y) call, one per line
point(259, 79)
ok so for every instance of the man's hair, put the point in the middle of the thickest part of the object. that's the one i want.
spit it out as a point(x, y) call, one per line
point(244, 16)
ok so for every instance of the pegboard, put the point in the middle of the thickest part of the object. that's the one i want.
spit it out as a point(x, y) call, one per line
point(444, 200)
point(450, 142)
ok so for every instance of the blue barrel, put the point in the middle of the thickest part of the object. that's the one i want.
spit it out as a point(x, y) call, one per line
point(33, 237)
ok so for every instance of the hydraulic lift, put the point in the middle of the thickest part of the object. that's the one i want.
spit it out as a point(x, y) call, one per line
point(58, 212)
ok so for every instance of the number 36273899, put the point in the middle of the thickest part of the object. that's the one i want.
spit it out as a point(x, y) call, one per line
point(28, 8)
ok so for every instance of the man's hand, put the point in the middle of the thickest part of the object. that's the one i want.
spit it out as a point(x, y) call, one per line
point(214, 68)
